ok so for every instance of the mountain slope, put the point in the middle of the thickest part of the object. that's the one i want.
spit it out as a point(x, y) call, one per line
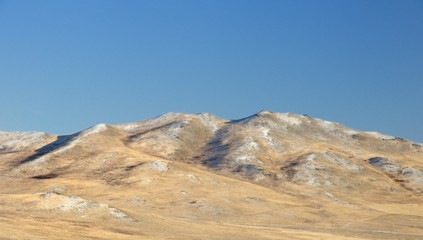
point(268, 176)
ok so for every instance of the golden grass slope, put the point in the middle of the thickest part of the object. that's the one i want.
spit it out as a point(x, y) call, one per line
point(185, 176)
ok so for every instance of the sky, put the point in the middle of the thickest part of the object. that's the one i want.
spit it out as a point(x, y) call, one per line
point(67, 65)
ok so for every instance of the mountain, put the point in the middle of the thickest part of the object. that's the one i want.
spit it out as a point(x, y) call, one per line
point(198, 176)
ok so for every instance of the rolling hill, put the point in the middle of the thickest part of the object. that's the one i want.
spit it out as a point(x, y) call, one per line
point(198, 176)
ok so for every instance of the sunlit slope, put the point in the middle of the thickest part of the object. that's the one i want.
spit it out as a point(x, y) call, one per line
point(186, 176)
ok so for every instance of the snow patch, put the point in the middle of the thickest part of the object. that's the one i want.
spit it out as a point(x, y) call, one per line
point(331, 196)
point(305, 170)
point(412, 172)
point(326, 125)
point(265, 134)
point(209, 121)
point(129, 127)
point(351, 132)
point(16, 141)
point(347, 163)
point(93, 130)
point(159, 166)
point(264, 113)
point(249, 145)
point(289, 119)
point(245, 153)
point(176, 128)
point(190, 177)
point(57, 201)
point(335, 128)
point(247, 158)
point(153, 123)
point(311, 157)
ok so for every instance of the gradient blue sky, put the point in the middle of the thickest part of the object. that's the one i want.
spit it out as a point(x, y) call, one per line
point(67, 65)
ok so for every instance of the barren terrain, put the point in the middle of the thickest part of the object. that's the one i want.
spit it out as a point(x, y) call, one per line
point(198, 176)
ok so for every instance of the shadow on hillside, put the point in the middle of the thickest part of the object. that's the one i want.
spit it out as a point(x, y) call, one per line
point(60, 141)
point(218, 149)
point(133, 137)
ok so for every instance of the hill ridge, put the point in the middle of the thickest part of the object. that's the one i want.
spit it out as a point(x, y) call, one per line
point(284, 169)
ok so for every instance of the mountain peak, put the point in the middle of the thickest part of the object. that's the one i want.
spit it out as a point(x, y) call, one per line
point(264, 112)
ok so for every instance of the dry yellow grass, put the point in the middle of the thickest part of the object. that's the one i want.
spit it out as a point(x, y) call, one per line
point(271, 176)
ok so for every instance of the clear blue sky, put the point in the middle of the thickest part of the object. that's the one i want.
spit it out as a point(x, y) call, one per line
point(67, 65)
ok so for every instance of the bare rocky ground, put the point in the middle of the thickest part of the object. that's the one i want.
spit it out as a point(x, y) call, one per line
point(197, 176)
